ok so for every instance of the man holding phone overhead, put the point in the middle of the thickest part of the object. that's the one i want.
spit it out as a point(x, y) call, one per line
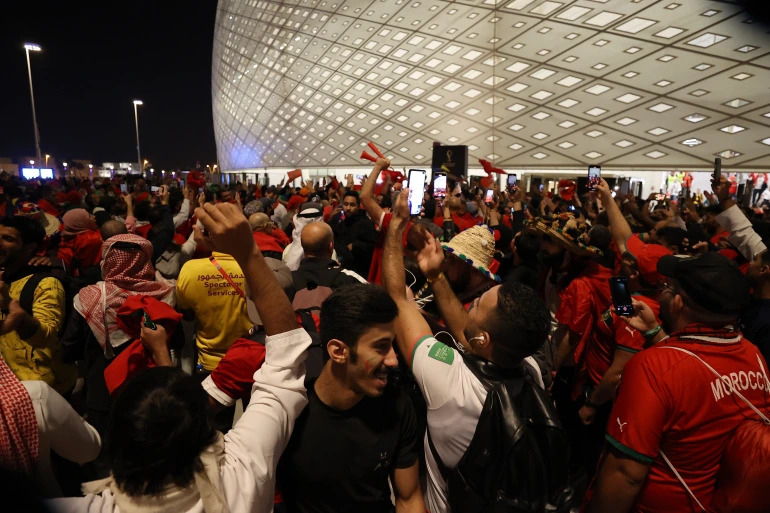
point(616, 341)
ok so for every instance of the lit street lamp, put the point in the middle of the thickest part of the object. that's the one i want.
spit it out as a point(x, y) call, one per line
point(31, 162)
point(136, 120)
point(32, 47)
point(47, 156)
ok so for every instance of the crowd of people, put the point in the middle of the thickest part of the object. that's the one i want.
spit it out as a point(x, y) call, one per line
point(468, 358)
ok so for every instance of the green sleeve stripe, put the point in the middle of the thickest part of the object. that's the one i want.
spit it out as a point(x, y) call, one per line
point(629, 451)
point(626, 348)
point(416, 345)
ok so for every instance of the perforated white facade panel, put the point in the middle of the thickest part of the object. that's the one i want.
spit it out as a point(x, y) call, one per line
point(527, 83)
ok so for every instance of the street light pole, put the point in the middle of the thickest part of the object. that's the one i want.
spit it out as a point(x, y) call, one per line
point(35, 48)
point(138, 150)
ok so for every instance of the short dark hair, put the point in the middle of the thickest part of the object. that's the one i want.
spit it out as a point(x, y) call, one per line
point(527, 247)
point(351, 310)
point(350, 192)
point(519, 326)
point(672, 236)
point(158, 427)
point(31, 231)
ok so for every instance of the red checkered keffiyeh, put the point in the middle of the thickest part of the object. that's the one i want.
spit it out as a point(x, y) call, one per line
point(19, 444)
point(125, 273)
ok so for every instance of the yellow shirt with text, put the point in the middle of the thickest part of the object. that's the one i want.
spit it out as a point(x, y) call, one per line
point(220, 313)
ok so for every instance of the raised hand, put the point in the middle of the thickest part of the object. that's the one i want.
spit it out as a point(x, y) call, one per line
point(643, 318)
point(226, 230)
point(430, 257)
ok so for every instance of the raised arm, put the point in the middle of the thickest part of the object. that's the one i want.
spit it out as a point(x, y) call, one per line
point(455, 316)
point(732, 219)
point(228, 231)
point(254, 445)
point(410, 324)
point(367, 190)
point(620, 229)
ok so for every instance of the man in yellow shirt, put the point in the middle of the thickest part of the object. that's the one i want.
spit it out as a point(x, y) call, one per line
point(29, 341)
point(220, 311)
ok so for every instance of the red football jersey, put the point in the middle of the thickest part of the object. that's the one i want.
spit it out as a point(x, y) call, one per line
point(612, 334)
point(669, 401)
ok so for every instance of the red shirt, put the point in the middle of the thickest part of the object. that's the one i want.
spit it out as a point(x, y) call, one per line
point(85, 249)
point(583, 302)
point(613, 334)
point(234, 374)
point(463, 222)
point(670, 401)
point(267, 242)
point(375, 268)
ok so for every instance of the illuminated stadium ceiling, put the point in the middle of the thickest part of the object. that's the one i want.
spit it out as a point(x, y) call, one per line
point(526, 83)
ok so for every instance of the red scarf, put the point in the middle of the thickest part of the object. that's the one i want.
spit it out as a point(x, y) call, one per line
point(125, 273)
point(134, 358)
point(19, 444)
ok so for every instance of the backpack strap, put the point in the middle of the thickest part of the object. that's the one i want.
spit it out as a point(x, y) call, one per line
point(729, 384)
point(725, 381)
point(442, 468)
point(27, 297)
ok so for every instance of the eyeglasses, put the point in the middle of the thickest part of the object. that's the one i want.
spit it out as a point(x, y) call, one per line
point(663, 285)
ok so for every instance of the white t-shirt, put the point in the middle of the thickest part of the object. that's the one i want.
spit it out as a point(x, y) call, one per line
point(454, 397)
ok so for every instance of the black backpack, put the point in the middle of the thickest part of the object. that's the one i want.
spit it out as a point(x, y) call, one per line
point(71, 287)
point(518, 459)
point(309, 295)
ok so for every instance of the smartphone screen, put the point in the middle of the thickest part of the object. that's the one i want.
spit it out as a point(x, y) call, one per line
point(511, 182)
point(416, 190)
point(594, 173)
point(154, 188)
point(124, 188)
point(439, 185)
point(717, 170)
point(489, 197)
point(621, 296)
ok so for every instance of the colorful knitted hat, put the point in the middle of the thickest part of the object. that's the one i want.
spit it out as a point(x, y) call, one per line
point(49, 223)
point(568, 232)
point(476, 247)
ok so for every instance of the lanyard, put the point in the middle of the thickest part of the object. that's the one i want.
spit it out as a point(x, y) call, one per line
point(227, 277)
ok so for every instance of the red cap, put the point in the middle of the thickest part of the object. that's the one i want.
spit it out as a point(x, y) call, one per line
point(647, 256)
point(296, 201)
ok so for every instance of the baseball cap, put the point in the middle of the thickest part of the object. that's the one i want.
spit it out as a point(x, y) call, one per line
point(647, 257)
point(711, 280)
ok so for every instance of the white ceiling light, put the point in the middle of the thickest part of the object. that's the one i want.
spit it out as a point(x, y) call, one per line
point(573, 13)
point(598, 89)
point(669, 32)
point(624, 143)
point(695, 118)
point(658, 131)
point(569, 81)
point(706, 40)
point(593, 155)
point(655, 154)
point(546, 8)
point(567, 145)
point(728, 154)
point(660, 107)
point(732, 129)
point(603, 19)
point(626, 121)
point(737, 103)
point(692, 142)
point(635, 25)
point(627, 98)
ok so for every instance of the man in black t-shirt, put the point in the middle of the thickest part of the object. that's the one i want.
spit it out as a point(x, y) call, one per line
point(356, 432)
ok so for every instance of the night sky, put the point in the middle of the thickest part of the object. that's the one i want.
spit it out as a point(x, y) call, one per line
point(97, 57)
